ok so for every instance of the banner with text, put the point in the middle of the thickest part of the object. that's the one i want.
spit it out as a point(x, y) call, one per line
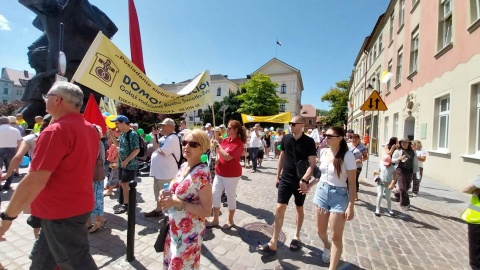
point(109, 72)
point(279, 118)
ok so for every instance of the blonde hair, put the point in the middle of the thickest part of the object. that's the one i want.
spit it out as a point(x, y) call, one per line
point(201, 137)
point(418, 144)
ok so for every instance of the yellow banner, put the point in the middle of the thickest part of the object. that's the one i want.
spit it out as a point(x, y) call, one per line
point(112, 108)
point(108, 71)
point(279, 118)
point(103, 106)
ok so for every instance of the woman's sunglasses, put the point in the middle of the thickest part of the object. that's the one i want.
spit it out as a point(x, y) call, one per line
point(191, 144)
point(329, 136)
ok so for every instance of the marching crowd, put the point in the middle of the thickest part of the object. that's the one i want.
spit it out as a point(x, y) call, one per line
point(192, 170)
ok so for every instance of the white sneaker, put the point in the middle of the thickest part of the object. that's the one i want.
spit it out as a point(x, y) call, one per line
point(326, 255)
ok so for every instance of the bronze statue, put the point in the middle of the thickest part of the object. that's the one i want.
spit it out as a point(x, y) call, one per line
point(82, 21)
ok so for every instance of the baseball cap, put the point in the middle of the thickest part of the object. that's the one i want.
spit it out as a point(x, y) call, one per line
point(47, 118)
point(222, 126)
point(121, 118)
point(12, 119)
point(135, 124)
point(168, 121)
point(208, 125)
point(404, 140)
point(350, 131)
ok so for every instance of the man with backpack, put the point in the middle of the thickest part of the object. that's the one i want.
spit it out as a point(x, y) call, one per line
point(129, 148)
point(165, 160)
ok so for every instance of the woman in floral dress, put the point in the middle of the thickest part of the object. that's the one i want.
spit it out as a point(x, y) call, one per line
point(191, 200)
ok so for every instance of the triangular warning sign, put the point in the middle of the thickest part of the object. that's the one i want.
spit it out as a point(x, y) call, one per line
point(374, 103)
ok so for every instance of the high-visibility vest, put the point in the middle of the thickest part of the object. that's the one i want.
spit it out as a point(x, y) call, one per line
point(472, 213)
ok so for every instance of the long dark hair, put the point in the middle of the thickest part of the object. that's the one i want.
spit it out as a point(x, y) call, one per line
point(241, 132)
point(339, 157)
point(392, 142)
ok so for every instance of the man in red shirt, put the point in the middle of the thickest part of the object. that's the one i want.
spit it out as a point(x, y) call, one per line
point(59, 185)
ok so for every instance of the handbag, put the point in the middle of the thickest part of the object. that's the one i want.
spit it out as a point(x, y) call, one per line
point(99, 171)
point(165, 225)
point(162, 234)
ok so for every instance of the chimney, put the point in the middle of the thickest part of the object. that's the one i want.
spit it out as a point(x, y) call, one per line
point(226, 76)
point(25, 74)
point(249, 77)
point(173, 82)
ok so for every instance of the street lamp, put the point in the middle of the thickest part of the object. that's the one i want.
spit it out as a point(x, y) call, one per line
point(223, 108)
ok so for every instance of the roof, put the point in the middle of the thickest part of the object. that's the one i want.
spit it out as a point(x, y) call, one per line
point(280, 61)
point(18, 77)
point(308, 111)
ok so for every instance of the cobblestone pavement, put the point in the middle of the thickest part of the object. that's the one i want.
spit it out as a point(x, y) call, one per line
point(428, 236)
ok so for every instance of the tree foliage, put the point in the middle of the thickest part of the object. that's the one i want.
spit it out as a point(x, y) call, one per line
point(260, 97)
point(10, 108)
point(338, 98)
point(145, 119)
point(321, 112)
point(231, 112)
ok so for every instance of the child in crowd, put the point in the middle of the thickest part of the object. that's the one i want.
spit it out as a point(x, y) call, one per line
point(383, 178)
point(112, 157)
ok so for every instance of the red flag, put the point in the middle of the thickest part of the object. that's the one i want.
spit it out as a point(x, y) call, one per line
point(135, 39)
point(93, 114)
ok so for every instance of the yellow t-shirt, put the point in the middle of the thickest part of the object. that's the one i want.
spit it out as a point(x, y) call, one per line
point(36, 127)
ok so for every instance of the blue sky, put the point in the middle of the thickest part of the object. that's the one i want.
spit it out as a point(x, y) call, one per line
point(182, 38)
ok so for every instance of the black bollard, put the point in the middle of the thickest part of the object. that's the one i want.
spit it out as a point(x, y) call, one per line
point(132, 205)
point(120, 194)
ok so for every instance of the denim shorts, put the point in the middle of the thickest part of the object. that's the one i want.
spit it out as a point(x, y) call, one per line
point(331, 198)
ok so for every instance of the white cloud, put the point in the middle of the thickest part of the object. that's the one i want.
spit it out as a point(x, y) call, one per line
point(4, 24)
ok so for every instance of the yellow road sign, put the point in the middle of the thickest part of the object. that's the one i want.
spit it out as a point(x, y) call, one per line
point(374, 103)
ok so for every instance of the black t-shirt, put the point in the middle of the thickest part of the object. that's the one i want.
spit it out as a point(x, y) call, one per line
point(304, 148)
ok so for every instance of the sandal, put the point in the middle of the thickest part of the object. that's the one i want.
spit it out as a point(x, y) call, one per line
point(212, 224)
point(227, 226)
point(266, 249)
point(295, 245)
point(97, 226)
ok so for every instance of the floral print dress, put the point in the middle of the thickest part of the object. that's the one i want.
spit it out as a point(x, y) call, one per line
point(184, 239)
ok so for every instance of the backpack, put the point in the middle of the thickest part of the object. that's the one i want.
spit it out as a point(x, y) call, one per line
point(142, 155)
point(182, 159)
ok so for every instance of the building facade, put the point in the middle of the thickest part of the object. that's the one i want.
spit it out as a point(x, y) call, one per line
point(13, 83)
point(432, 51)
point(288, 78)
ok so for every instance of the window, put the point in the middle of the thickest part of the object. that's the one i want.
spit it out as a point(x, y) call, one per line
point(380, 43)
point(310, 122)
point(5, 101)
point(374, 51)
point(474, 10)
point(399, 67)
point(390, 68)
point(392, 17)
point(385, 130)
point(19, 92)
point(401, 14)
point(219, 91)
point(5, 91)
point(414, 51)
point(395, 125)
point(282, 107)
point(371, 58)
point(477, 139)
point(443, 121)
point(445, 25)
point(283, 89)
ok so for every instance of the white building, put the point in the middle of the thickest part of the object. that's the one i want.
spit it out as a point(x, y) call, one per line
point(13, 84)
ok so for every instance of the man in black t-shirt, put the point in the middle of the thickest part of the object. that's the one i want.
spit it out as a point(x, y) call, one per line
point(295, 147)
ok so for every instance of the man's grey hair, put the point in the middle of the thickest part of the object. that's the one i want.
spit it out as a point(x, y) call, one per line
point(4, 120)
point(69, 92)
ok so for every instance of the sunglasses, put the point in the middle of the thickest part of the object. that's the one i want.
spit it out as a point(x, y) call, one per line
point(191, 144)
point(329, 136)
point(293, 124)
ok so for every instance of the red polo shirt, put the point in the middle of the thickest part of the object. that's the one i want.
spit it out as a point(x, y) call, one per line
point(230, 168)
point(68, 148)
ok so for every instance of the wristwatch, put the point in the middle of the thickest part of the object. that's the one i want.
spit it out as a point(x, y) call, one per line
point(4, 216)
point(304, 181)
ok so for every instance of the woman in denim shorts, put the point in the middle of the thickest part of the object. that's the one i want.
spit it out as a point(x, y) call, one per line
point(333, 200)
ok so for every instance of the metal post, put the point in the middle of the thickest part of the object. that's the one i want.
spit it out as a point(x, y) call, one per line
point(132, 205)
point(120, 194)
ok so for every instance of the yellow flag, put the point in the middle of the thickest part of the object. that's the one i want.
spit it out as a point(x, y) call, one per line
point(103, 106)
point(112, 108)
point(279, 118)
point(108, 71)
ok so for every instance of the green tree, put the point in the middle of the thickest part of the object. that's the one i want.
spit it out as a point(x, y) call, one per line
point(231, 112)
point(260, 98)
point(338, 98)
point(322, 112)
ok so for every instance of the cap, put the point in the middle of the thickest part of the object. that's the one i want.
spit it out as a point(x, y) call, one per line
point(404, 140)
point(120, 117)
point(12, 119)
point(168, 121)
point(350, 131)
point(135, 124)
point(386, 160)
point(208, 125)
point(217, 129)
point(222, 126)
point(47, 118)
